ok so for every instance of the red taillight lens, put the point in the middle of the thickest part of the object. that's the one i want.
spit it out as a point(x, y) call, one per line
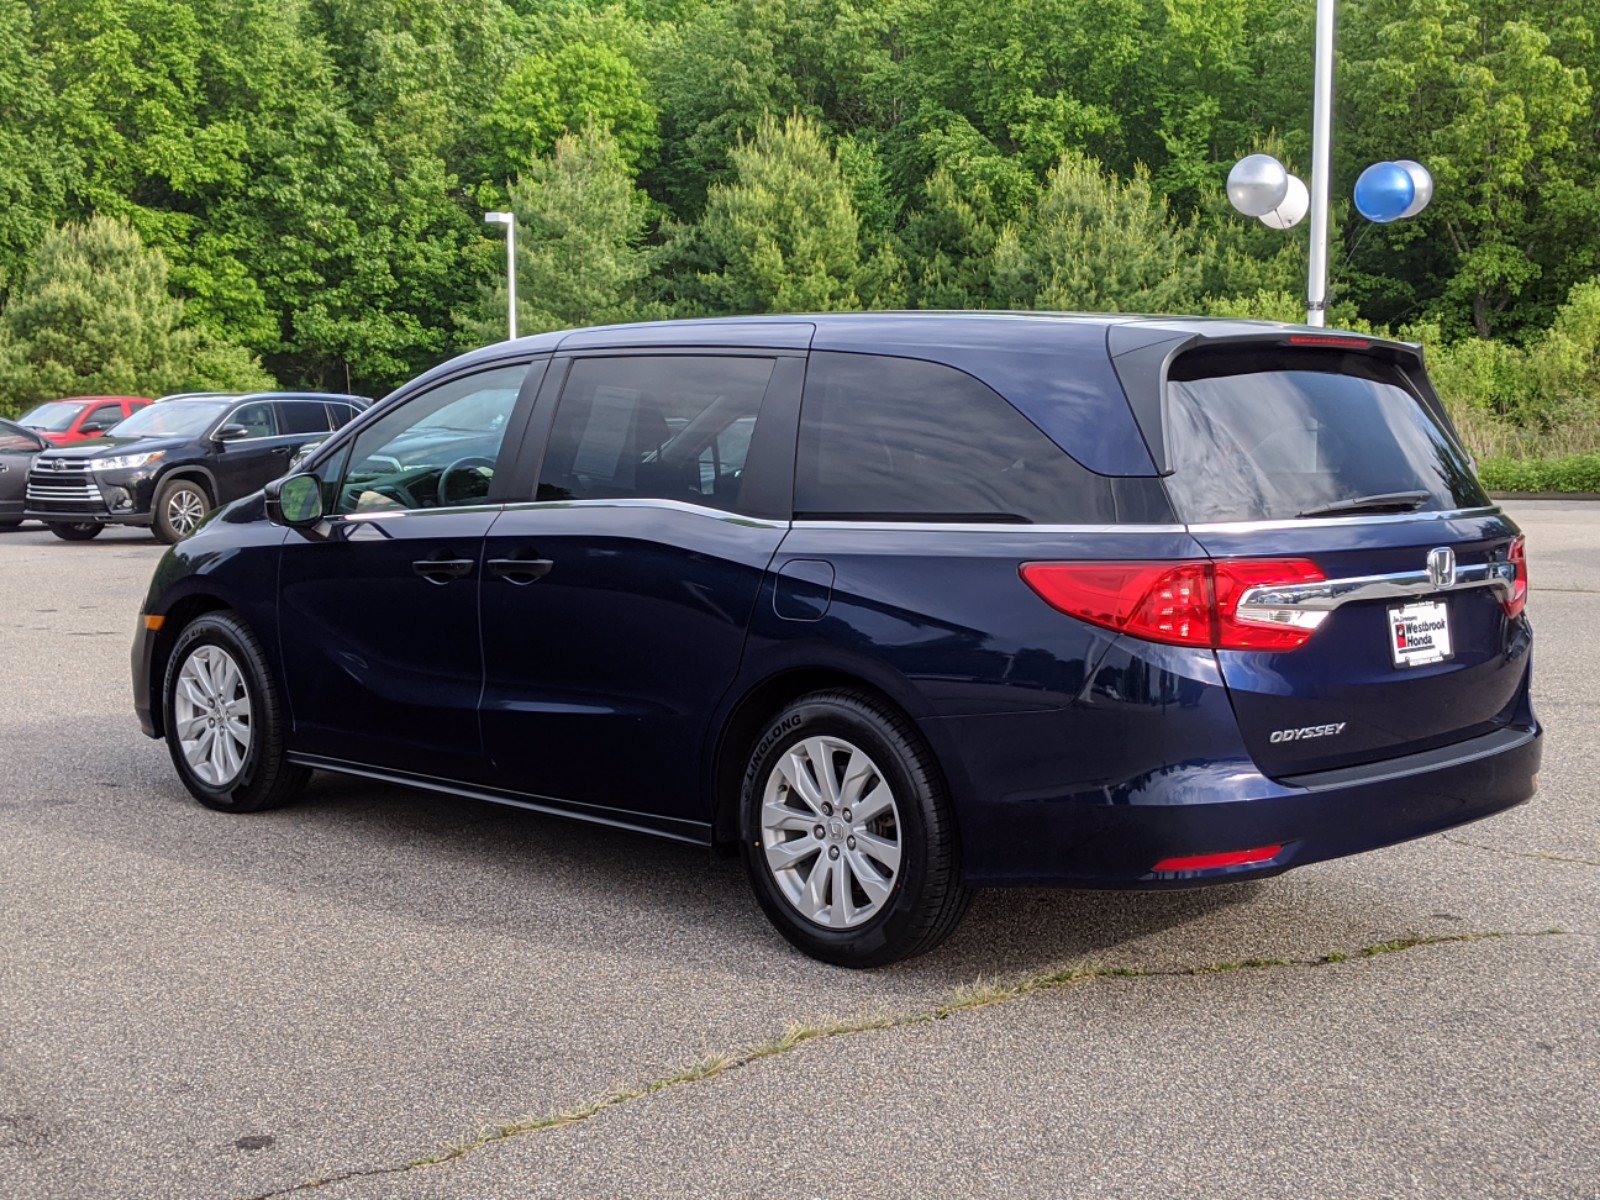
point(1518, 554)
point(1161, 602)
point(1192, 603)
point(1235, 577)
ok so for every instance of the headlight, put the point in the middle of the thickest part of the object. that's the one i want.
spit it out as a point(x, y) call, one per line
point(126, 462)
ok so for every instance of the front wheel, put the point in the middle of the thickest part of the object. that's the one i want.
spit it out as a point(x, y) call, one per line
point(78, 531)
point(848, 833)
point(181, 504)
point(225, 719)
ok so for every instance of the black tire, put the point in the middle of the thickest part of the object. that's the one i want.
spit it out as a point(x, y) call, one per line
point(266, 779)
point(172, 493)
point(928, 896)
point(80, 532)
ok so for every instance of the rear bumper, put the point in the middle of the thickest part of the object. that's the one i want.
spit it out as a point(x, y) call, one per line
point(1090, 840)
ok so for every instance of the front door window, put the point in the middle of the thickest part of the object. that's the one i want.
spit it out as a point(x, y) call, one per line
point(438, 450)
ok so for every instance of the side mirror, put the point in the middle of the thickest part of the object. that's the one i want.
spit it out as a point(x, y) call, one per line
point(231, 433)
point(294, 500)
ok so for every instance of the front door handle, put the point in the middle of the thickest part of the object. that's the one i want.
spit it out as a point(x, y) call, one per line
point(443, 570)
point(520, 570)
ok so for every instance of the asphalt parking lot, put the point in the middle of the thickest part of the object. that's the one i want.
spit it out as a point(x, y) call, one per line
point(383, 993)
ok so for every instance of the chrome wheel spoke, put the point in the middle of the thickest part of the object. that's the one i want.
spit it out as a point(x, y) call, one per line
point(879, 850)
point(820, 753)
point(782, 816)
point(874, 804)
point(842, 912)
point(815, 899)
point(873, 882)
point(858, 773)
point(797, 774)
point(785, 856)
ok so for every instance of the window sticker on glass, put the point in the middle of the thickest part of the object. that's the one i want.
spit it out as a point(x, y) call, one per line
point(1419, 634)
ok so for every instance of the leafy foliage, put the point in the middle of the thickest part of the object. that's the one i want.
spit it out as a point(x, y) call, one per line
point(312, 173)
point(581, 258)
point(93, 316)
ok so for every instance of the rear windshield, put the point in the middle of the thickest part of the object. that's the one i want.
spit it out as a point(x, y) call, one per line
point(1284, 437)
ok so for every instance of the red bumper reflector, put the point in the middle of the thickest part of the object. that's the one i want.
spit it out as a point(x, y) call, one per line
point(1204, 862)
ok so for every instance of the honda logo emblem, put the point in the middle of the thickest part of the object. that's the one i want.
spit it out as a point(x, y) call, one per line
point(1442, 567)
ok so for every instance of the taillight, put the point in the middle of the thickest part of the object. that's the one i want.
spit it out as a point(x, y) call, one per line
point(1518, 554)
point(1187, 603)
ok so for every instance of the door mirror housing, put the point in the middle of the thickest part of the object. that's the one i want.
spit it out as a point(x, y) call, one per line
point(231, 433)
point(295, 501)
point(90, 428)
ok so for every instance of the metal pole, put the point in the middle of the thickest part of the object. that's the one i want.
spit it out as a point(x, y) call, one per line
point(511, 279)
point(1321, 167)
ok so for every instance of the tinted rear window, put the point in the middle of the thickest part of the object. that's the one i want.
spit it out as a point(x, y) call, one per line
point(900, 439)
point(1271, 438)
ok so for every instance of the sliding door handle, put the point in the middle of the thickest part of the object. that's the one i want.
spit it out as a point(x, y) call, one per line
point(520, 570)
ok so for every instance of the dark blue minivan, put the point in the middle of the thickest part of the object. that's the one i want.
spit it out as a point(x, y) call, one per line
point(896, 604)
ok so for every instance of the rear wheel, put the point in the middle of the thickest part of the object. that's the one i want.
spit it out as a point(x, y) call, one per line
point(225, 719)
point(848, 833)
point(181, 504)
point(76, 532)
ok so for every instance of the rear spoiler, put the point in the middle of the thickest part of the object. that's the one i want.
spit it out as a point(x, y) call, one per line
point(1142, 354)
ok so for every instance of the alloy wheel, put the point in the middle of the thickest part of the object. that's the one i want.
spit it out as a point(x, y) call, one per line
point(830, 832)
point(211, 711)
point(185, 507)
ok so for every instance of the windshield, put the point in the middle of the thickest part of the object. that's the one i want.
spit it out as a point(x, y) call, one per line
point(176, 418)
point(1271, 437)
point(55, 417)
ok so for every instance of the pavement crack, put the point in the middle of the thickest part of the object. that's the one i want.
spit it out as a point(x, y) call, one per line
point(1536, 855)
point(980, 994)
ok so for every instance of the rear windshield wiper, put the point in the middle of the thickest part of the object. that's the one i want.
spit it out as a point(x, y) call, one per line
point(1381, 503)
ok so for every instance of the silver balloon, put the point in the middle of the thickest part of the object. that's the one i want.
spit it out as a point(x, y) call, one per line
point(1257, 184)
point(1296, 201)
point(1422, 181)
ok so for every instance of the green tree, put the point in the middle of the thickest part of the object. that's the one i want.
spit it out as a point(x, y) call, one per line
point(1094, 242)
point(92, 314)
point(1496, 101)
point(561, 91)
point(581, 257)
point(31, 175)
point(782, 235)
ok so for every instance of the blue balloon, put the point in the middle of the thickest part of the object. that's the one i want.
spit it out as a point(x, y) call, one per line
point(1384, 192)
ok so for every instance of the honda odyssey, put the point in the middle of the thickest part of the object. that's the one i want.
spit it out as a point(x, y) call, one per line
point(892, 605)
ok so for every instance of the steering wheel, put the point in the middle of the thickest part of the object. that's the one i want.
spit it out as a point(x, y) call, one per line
point(460, 464)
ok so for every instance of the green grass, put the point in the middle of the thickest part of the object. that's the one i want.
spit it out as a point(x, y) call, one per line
point(1564, 473)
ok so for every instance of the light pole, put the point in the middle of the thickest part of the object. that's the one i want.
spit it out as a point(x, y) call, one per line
point(509, 220)
point(1321, 166)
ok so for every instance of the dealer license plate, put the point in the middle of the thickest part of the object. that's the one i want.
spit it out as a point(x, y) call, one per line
point(1419, 634)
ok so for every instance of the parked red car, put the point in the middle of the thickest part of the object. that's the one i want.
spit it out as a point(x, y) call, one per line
point(79, 418)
